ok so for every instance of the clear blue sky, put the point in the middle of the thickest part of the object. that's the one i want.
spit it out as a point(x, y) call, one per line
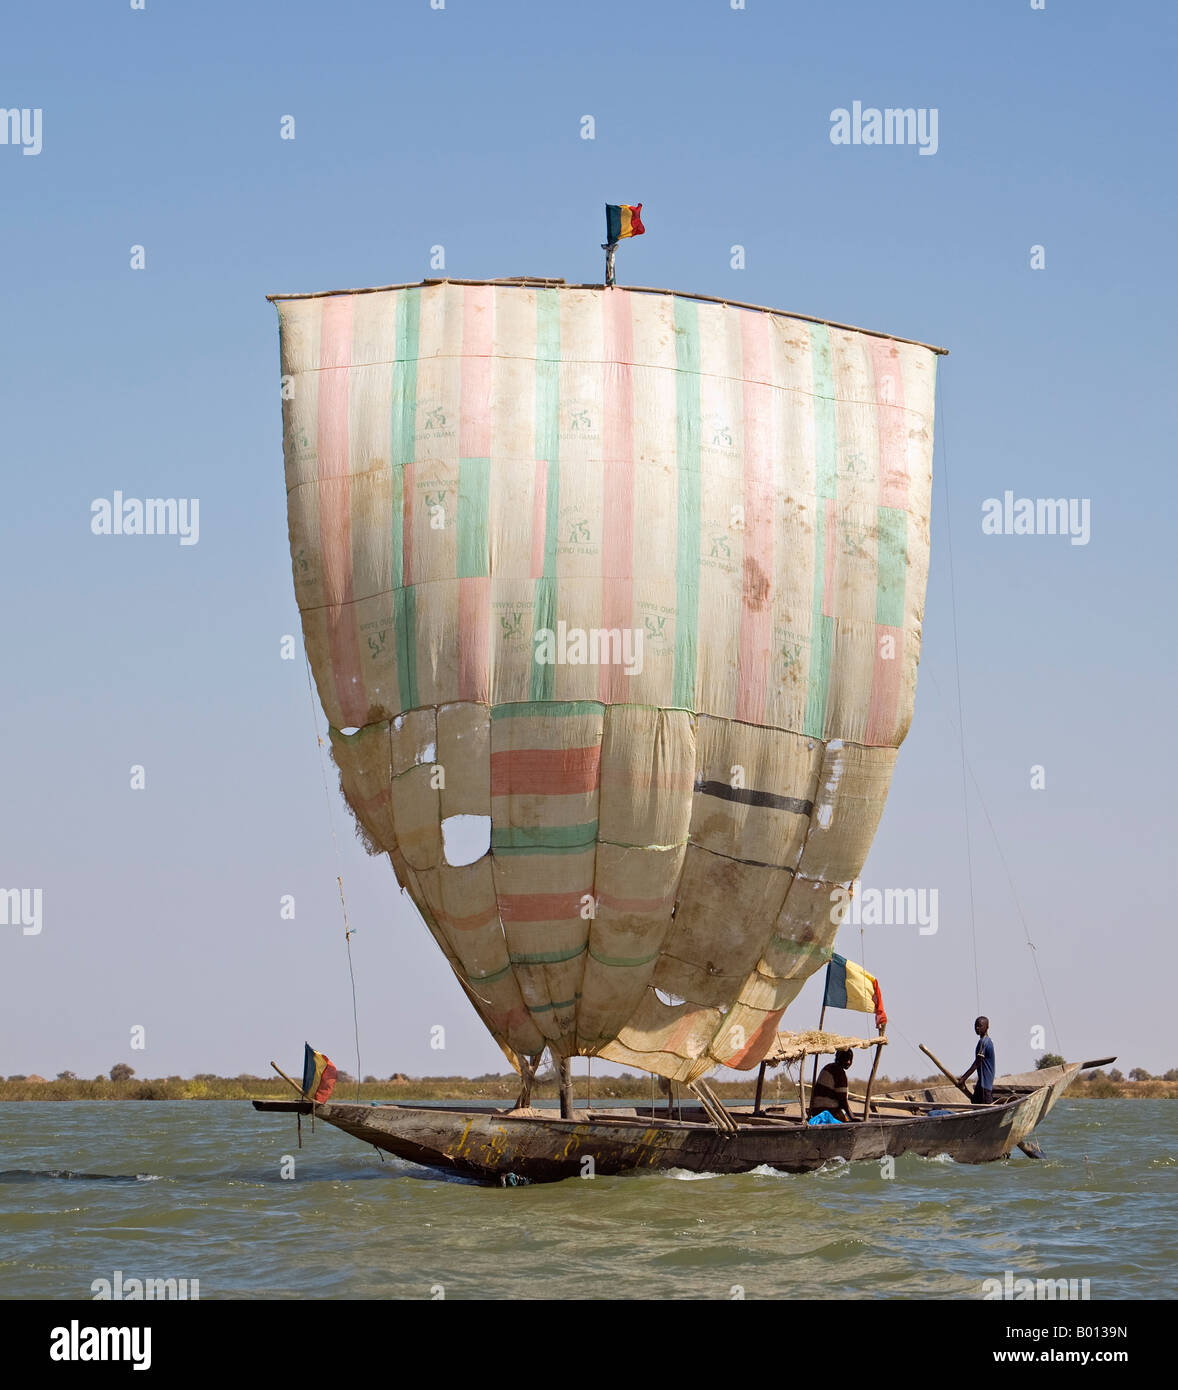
point(416, 127)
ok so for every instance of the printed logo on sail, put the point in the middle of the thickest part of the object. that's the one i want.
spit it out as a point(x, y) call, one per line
point(435, 421)
point(717, 437)
point(378, 639)
point(579, 421)
point(514, 620)
point(720, 551)
point(656, 623)
point(435, 496)
point(792, 652)
point(894, 125)
point(576, 533)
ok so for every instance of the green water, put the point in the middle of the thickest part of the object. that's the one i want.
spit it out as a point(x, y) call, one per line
point(193, 1190)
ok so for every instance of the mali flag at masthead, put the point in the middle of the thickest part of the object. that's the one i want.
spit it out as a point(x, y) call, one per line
point(622, 220)
point(319, 1075)
point(849, 986)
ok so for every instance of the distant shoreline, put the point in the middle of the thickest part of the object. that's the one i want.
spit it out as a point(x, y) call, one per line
point(499, 1088)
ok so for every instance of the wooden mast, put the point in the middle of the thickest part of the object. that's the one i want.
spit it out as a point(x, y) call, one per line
point(565, 1083)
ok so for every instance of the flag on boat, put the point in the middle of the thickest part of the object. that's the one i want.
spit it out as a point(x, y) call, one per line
point(319, 1075)
point(622, 220)
point(849, 986)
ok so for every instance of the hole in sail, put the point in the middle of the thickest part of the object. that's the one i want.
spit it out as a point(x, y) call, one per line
point(347, 733)
point(669, 999)
point(465, 839)
point(428, 754)
point(824, 814)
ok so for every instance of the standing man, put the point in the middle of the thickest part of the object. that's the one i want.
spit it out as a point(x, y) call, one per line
point(983, 1064)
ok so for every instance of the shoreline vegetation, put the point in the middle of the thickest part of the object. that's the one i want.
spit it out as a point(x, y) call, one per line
point(499, 1087)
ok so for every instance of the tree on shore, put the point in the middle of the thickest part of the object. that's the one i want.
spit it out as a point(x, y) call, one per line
point(121, 1072)
point(1049, 1059)
point(66, 1076)
point(1139, 1074)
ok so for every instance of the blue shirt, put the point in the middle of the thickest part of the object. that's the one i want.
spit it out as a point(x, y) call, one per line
point(985, 1060)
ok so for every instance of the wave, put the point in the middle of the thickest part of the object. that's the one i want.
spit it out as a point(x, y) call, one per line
point(68, 1175)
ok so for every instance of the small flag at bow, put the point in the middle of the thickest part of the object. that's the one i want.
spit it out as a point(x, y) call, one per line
point(622, 220)
point(849, 986)
point(319, 1075)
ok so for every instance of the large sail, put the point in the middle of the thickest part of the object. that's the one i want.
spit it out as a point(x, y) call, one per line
point(640, 577)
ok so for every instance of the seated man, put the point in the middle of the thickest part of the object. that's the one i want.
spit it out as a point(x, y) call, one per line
point(830, 1090)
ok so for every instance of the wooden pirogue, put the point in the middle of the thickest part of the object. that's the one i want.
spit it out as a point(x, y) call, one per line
point(502, 1147)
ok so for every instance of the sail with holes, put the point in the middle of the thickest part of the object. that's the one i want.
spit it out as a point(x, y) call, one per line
point(640, 578)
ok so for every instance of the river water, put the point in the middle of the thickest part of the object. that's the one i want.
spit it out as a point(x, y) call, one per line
point(194, 1190)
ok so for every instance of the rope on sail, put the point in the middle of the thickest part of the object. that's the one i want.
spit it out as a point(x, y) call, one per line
point(339, 878)
point(973, 926)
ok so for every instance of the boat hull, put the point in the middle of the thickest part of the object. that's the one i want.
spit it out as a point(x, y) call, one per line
point(502, 1147)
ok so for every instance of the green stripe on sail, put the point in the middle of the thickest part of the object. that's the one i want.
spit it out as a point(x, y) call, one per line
point(687, 561)
point(558, 1004)
point(489, 978)
point(892, 528)
point(825, 487)
point(405, 623)
point(801, 948)
point(546, 709)
point(403, 447)
point(623, 960)
point(538, 839)
point(474, 536)
point(548, 454)
point(547, 957)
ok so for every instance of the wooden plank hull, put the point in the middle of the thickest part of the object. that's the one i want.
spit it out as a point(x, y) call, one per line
point(497, 1147)
point(1055, 1080)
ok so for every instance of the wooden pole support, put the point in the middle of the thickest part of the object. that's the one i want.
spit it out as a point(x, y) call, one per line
point(871, 1080)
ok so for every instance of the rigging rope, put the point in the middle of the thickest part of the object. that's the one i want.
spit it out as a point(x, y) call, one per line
point(973, 926)
point(1010, 880)
point(339, 878)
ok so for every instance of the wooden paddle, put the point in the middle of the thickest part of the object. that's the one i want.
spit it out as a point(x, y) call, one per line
point(1032, 1150)
point(942, 1068)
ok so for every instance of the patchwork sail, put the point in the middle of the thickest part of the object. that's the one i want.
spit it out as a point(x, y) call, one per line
point(639, 578)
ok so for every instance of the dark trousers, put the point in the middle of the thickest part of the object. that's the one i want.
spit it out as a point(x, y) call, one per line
point(981, 1097)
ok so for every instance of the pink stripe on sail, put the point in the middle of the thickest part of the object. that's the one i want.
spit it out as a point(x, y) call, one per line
point(478, 329)
point(885, 687)
point(335, 508)
point(756, 601)
point(830, 536)
point(474, 617)
point(539, 517)
point(893, 423)
point(617, 542)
